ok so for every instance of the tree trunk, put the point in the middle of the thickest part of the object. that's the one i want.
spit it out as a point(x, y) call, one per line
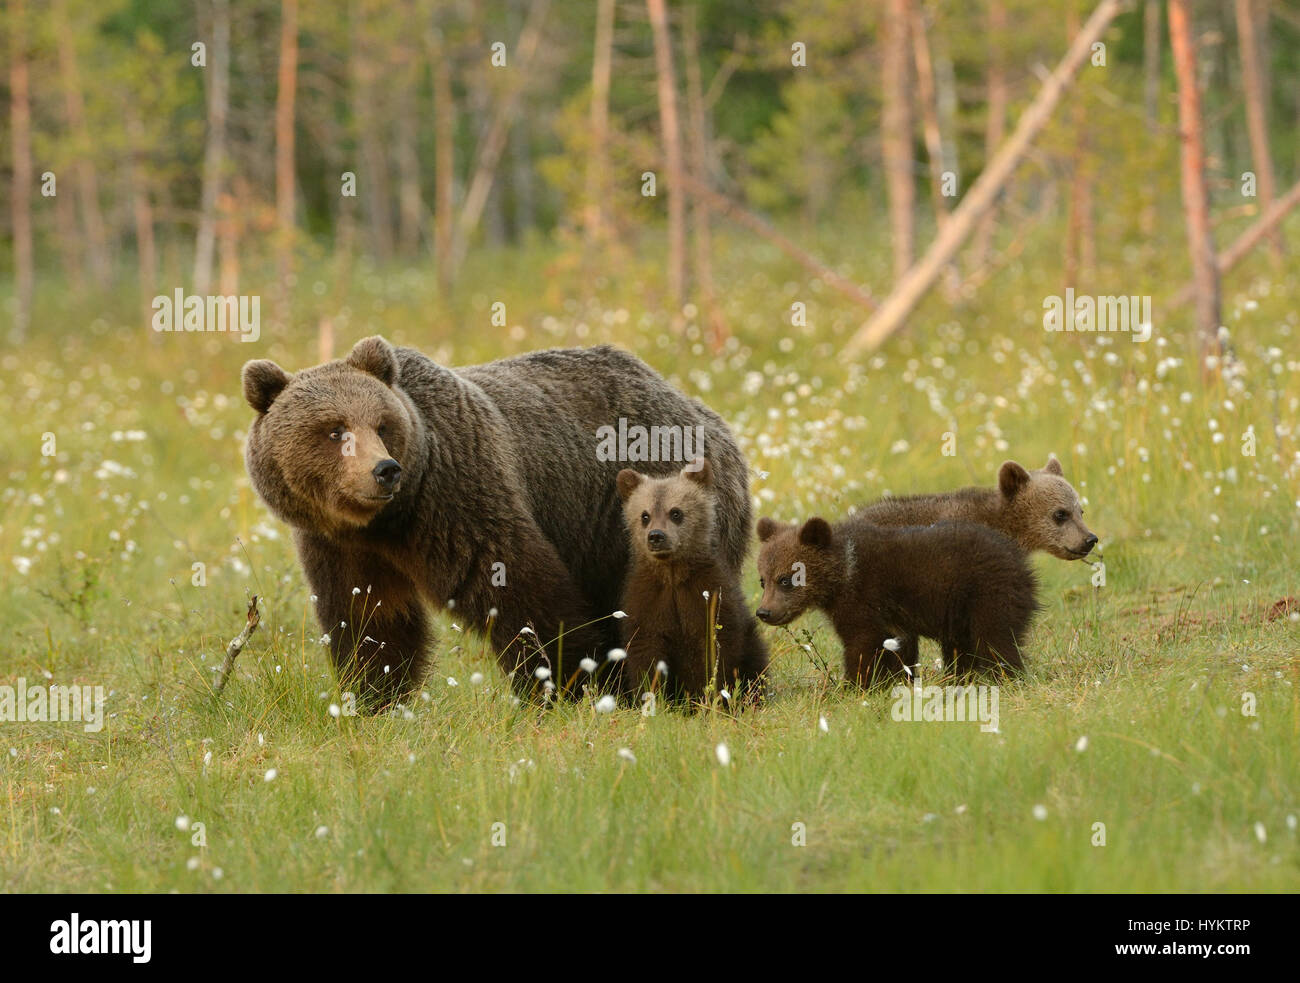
point(75, 111)
point(410, 207)
point(906, 294)
point(1080, 251)
point(671, 135)
point(20, 201)
point(494, 139)
point(142, 212)
point(214, 154)
point(995, 126)
point(1257, 114)
point(928, 101)
point(896, 136)
point(1150, 106)
point(286, 94)
point(702, 235)
point(444, 133)
point(594, 218)
point(1196, 201)
point(372, 176)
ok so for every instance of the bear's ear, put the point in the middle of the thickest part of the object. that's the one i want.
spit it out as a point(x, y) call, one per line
point(816, 532)
point(767, 528)
point(699, 471)
point(1011, 478)
point(263, 381)
point(1053, 466)
point(376, 356)
point(627, 482)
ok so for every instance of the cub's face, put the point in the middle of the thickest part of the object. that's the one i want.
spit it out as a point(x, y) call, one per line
point(330, 442)
point(1046, 510)
point(794, 568)
point(670, 520)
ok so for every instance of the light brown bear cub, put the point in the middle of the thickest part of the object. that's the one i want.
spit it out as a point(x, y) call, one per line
point(1038, 510)
point(964, 585)
point(676, 561)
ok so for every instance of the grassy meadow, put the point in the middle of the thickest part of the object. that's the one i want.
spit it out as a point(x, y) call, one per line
point(1131, 714)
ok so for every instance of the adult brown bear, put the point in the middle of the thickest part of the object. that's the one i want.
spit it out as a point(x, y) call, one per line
point(484, 489)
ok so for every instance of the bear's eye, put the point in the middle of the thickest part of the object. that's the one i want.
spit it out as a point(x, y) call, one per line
point(382, 431)
point(645, 518)
point(784, 582)
point(675, 515)
point(1060, 515)
point(336, 433)
point(762, 583)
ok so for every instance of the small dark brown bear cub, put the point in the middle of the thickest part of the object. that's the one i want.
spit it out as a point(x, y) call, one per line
point(964, 585)
point(684, 608)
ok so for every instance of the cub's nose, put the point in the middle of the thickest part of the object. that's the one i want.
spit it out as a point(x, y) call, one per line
point(763, 614)
point(387, 472)
point(1090, 542)
point(657, 538)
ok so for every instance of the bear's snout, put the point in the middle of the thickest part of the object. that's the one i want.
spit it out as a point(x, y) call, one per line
point(763, 615)
point(657, 540)
point(387, 474)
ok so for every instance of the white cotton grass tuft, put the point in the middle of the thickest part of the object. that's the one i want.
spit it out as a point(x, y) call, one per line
point(525, 630)
point(893, 644)
point(823, 725)
point(661, 667)
point(322, 832)
point(541, 672)
point(1040, 812)
point(1261, 833)
point(723, 754)
point(335, 710)
point(606, 704)
point(626, 754)
point(192, 863)
point(1081, 744)
point(452, 681)
point(587, 665)
point(616, 655)
point(476, 679)
point(183, 823)
point(619, 614)
point(271, 775)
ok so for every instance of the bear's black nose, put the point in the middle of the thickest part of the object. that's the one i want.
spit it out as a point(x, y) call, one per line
point(763, 614)
point(656, 538)
point(1089, 543)
point(387, 472)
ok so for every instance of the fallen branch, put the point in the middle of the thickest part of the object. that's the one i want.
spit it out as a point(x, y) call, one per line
point(237, 644)
point(725, 206)
point(916, 282)
point(1247, 241)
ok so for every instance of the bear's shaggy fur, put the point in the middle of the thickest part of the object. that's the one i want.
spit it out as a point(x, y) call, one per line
point(684, 605)
point(964, 585)
point(1038, 510)
point(478, 489)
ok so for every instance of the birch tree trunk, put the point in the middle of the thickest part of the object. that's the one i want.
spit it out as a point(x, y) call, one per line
point(594, 218)
point(896, 136)
point(671, 136)
point(20, 202)
point(285, 99)
point(214, 154)
point(1257, 114)
point(1196, 202)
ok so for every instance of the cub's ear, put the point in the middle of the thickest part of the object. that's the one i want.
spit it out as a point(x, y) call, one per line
point(627, 482)
point(699, 471)
point(376, 356)
point(1053, 466)
point(263, 381)
point(816, 532)
point(767, 528)
point(1011, 478)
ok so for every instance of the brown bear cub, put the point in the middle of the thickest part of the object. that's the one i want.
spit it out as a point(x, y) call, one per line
point(1038, 510)
point(962, 584)
point(686, 615)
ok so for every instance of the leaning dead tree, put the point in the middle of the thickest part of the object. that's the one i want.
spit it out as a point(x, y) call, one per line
point(1248, 240)
point(918, 280)
point(1196, 198)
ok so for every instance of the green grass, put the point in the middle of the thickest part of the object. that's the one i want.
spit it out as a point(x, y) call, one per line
point(95, 588)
